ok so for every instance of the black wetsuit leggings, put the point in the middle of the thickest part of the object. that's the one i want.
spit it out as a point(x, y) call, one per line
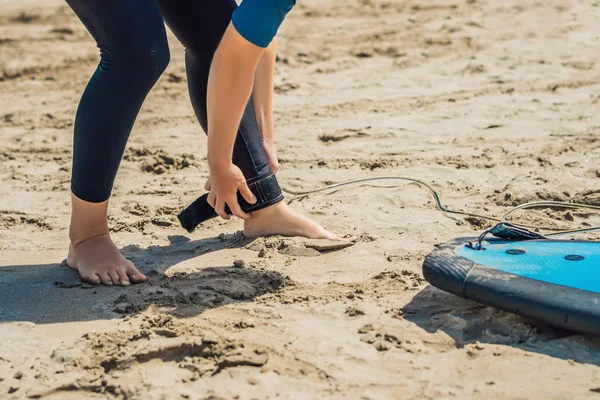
point(134, 53)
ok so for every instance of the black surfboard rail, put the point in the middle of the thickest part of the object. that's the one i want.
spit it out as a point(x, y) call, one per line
point(561, 306)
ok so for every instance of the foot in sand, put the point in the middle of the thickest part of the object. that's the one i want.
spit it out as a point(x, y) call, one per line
point(280, 219)
point(92, 252)
point(98, 260)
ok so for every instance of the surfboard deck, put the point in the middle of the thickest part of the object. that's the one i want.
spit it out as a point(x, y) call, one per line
point(555, 282)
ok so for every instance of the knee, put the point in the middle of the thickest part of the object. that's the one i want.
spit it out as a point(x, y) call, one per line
point(144, 62)
point(151, 59)
point(160, 57)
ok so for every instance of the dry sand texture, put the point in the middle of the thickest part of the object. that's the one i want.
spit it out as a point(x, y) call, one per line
point(494, 102)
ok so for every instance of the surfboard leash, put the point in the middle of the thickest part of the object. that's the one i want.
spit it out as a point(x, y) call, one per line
point(502, 225)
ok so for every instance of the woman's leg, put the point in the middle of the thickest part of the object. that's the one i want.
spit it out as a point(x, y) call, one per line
point(134, 52)
point(200, 25)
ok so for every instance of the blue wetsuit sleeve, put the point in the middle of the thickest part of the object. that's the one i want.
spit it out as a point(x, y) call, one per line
point(258, 20)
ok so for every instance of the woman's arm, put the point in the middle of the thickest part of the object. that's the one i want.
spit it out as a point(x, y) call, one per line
point(230, 83)
point(262, 94)
point(262, 97)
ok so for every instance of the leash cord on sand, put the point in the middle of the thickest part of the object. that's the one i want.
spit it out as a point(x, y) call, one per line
point(446, 211)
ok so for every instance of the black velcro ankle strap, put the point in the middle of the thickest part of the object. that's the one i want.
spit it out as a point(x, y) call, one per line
point(267, 192)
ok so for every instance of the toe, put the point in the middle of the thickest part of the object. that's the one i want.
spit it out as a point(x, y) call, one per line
point(106, 279)
point(137, 277)
point(114, 277)
point(123, 278)
point(343, 238)
point(94, 279)
point(134, 275)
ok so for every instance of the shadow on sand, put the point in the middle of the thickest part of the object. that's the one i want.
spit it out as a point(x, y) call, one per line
point(469, 322)
point(51, 293)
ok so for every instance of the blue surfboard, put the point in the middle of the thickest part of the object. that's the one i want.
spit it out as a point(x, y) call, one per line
point(555, 282)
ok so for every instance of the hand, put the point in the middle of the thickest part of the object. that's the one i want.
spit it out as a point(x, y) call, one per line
point(224, 183)
point(271, 153)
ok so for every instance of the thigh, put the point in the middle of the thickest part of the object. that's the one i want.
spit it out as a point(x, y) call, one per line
point(198, 24)
point(123, 26)
point(258, 20)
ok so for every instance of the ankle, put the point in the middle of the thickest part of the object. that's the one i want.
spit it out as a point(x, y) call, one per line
point(80, 237)
point(276, 208)
point(88, 220)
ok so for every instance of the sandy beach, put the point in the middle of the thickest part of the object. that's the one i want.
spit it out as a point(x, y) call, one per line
point(492, 103)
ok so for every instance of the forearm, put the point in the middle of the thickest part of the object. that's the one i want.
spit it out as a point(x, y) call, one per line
point(230, 83)
point(262, 93)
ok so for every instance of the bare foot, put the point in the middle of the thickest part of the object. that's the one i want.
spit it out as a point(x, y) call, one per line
point(92, 252)
point(98, 260)
point(280, 219)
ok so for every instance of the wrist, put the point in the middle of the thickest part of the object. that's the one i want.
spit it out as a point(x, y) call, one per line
point(267, 132)
point(219, 164)
point(219, 154)
point(218, 161)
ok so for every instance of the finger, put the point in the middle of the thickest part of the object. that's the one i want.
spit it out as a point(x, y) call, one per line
point(237, 210)
point(123, 278)
point(106, 280)
point(275, 168)
point(207, 185)
point(220, 209)
point(246, 194)
point(211, 199)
